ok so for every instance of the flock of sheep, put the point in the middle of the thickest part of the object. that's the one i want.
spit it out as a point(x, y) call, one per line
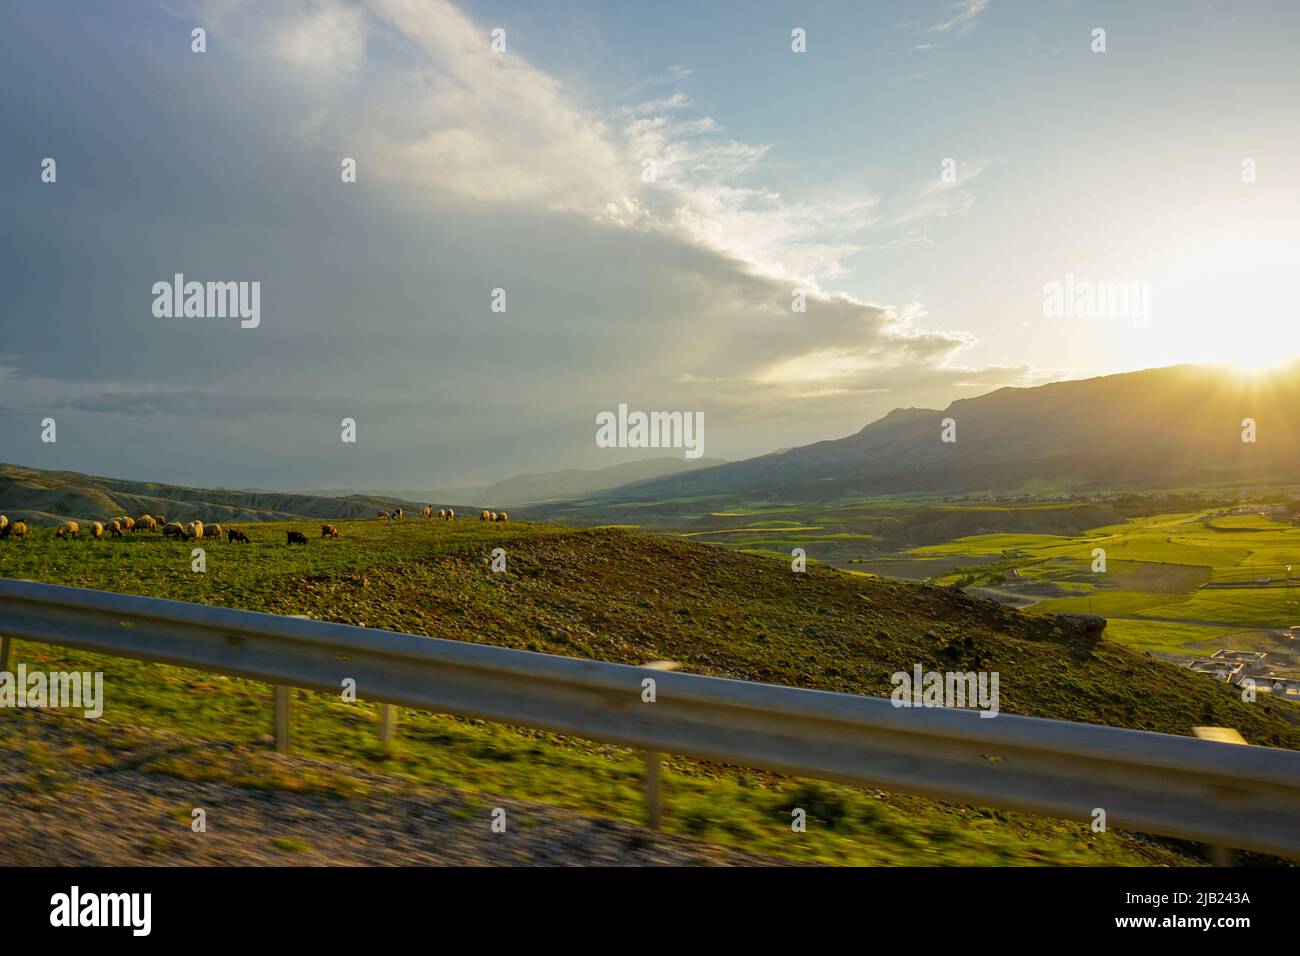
point(446, 514)
point(197, 530)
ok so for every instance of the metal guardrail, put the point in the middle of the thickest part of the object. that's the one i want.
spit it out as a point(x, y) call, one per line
point(1218, 793)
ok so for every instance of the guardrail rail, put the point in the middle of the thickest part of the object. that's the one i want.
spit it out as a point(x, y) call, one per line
point(1218, 793)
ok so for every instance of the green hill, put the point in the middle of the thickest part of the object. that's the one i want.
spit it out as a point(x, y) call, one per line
point(48, 497)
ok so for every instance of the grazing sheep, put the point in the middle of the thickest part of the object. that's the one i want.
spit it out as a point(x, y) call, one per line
point(212, 531)
point(68, 529)
point(16, 530)
point(451, 514)
point(296, 537)
point(115, 528)
point(484, 516)
point(235, 534)
point(146, 523)
point(195, 530)
point(398, 514)
point(128, 522)
point(442, 514)
point(160, 520)
point(329, 531)
point(492, 516)
point(426, 512)
point(384, 516)
point(173, 529)
point(503, 517)
point(97, 529)
point(4, 522)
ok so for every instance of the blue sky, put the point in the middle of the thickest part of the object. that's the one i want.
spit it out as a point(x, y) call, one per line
point(775, 171)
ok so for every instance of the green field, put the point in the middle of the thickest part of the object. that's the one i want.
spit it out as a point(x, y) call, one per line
point(1155, 570)
point(632, 598)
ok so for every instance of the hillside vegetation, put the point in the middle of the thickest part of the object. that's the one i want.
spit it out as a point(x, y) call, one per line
point(48, 497)
point(633, 598)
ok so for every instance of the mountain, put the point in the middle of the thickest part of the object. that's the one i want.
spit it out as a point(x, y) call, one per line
point(49, 496)
point(1161, 428)
point(576, 483)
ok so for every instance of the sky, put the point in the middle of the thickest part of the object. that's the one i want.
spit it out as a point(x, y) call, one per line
point(653, 185)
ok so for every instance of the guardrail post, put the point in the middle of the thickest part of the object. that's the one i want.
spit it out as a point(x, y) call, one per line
point(6, 653)
point(1220, 855)
point(387, 723)
point(282, 697)
point(653, 768)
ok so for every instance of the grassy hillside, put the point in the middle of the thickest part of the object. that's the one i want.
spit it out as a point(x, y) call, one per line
point(49, 497)
point(627, 597)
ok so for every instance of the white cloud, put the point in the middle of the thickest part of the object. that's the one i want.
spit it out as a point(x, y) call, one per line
point(964, 18)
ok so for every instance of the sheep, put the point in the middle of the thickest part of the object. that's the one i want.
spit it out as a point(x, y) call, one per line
point(4, 522)
point(384, 516)
point(503, 517)
point(442, 514)
point(115, 528)
point(492, 516)
point(451, 514)
point(195, 530)
point(97, 529)
point(236, 535)
point(296, 537)
point(329, 531)
point(16, 530)
point(174, 529)
point(398, 514)
point(484, 516)
point(160, 520)
point(426, 512)
point(128, 522)
point(68, 529)
point(212, 531)
point(146, 523)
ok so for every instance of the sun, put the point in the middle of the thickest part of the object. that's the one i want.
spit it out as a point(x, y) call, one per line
point(1231, 304)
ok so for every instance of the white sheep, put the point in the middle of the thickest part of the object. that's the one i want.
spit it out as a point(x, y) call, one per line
point(503, 517)
point(68, 529)
point(4, 522)
point(196, 529)
point(97, 529)
point(451, 514)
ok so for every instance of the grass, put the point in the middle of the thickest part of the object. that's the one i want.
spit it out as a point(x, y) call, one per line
point(627, 597)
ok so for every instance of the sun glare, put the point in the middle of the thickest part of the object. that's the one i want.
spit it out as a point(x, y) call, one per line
point(1232, 304)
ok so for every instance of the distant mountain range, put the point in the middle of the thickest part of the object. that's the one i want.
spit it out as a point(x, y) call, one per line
point(51, 496)
point(1158, 428)
point(546, 486)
